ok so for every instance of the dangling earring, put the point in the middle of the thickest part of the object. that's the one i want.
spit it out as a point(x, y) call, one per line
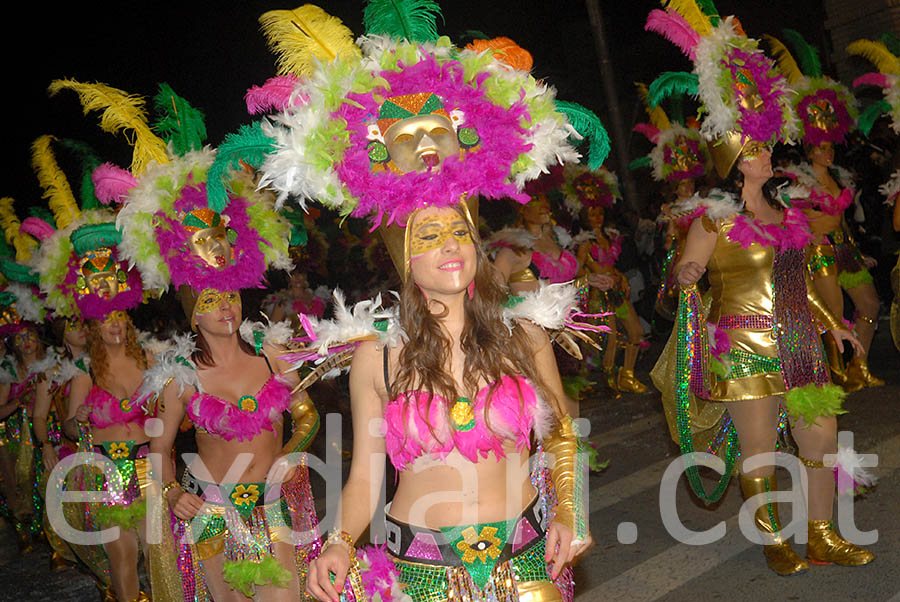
point(470, 290)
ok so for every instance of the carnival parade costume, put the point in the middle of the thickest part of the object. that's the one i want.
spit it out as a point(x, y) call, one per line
point(761, 335)
point(827, 113)
point(422, 123)
point(208, 250)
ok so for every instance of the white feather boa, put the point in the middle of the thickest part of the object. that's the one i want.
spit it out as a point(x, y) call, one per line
point(68, 369)
point(719, 205)
point(28, 306)
point(514, 237)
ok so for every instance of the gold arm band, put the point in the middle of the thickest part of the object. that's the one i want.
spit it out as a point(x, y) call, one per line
point(819, 310)
point(306, 425)
point(811, 463)
point(568, 475)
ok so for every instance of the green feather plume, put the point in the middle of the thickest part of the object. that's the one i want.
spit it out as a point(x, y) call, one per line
point(805, 52)
point(892, 42)
point(588, 125)
point(811, 401)
point(709, 9)
point(242, 575)
point(180, 124)
point(414, 20)
point(18, 272)
point(89, 162)
point(870, 115)
point(295, 217)
point(671, 83)
point(640, 163)
point(249, 146)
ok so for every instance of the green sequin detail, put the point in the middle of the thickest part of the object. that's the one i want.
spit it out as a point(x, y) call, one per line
point(468, 137)
point(820, 262)
point(378, 152)
point(744, 363)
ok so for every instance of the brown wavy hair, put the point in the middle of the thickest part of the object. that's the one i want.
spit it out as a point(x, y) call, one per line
point(97, 350)
point(490, 349)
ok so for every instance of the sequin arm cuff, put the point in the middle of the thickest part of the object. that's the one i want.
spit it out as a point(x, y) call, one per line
point(569, 475)
point(306, 425)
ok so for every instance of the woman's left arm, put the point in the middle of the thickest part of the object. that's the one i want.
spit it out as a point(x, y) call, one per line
point(304, 416)
point(568, 535)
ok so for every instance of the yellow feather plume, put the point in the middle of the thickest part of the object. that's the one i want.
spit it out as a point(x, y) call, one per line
point(657, 115)
point(23, 243)
point(121, 111)
point(883, 59)
point(691, 13)
point(54, 182)
point(786, 63)
point(304, 36)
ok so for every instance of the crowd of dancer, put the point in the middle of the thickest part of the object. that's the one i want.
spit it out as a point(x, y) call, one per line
point(399, 161)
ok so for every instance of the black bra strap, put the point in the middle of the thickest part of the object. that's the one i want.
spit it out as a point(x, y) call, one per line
point(266, 357)
point(387, 380)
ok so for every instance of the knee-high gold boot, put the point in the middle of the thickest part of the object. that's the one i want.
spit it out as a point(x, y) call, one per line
point(780, 556)
point(835, 360)
point(858, 372)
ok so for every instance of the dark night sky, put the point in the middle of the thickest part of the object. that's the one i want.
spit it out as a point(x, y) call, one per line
point(210, 53)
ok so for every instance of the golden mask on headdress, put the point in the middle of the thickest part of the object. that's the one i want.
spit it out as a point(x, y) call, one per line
point(821, 114)
point(208, 237)
point(682, 156)
point(100, 274)
point(749, 96)
point(415, 133)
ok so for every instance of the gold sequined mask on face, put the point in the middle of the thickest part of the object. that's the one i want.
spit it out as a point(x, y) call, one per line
point(754, 149)
point(210, 299)
point(434, 232)
point(114, 316)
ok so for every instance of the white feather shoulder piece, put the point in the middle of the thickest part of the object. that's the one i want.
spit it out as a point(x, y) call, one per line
point(719, 205)
point(547, 307)
point(366, 320)
point(172, 364)
point(890, 188)
point(272, 333)
point(514, 237)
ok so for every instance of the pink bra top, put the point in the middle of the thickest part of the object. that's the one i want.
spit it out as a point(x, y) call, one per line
point(108, 410)
point(462, 425)
point(610, 255)
point(562, 269)
point(25, 391)
point(822, 200)
point(247, 418)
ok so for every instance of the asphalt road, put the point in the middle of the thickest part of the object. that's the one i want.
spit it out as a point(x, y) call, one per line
point(624, 505)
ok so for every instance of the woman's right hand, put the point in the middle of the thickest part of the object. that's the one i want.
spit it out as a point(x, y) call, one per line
point(690, 273)
point(185, 505)
point(335, 560)
point(83, 413)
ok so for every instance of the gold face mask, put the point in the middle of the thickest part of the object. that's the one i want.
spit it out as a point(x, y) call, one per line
point(210, 299)
point(421, 143)
point(753, 149)
point(212, 246)
point(433, 233)
point(26, 336)
point(74, 324)
point(750, 98)
point(113, 316)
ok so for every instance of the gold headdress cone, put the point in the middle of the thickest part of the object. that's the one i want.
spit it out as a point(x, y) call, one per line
point(725, 151)
point(396, 237)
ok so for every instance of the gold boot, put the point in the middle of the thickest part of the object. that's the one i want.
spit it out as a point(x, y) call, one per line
point(825, 546)
point(610, 373)
point(141, 597)
point(629, 383)
point(854, 381)
point(780, 556)
point(860, 368)
point(835, 360)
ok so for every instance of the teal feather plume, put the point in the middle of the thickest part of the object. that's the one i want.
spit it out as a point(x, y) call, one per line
point(18, 272)
point(639, 163)
point(248, 145)
point(179, 124)
point(805, 53)
point(892, 42)
point(414, 20)
point(671, 83)
point(89, 162)
point(588, 125)
point(868, 117)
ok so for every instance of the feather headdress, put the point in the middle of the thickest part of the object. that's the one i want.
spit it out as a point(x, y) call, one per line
point(826, 108)
point(887, 78)
point(742, 96)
